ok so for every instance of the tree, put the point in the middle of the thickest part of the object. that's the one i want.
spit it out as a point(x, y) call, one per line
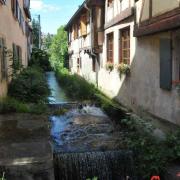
point(58, 49)
point(35, 33)
point(47, 41)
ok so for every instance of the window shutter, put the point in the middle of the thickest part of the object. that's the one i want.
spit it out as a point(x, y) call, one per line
point(13, 7)
point(73, 32)
point(84, 25)
point(165, 64)
point(110, 47)
point(17, 9)
point(2, 58)
point(14, 54)
point(20, 55)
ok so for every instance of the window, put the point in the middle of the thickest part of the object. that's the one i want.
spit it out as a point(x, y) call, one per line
point(17, 55)
point(70, 35)
point(83, 25)
point(110, 47)
point(3, 59)
point(176, 71)
point(125, 46)
point(17, 13)
point(110, 2)
point(75, 31)
point(78, 65)
point(176, 57)
point(166, 64)
point(94, 65)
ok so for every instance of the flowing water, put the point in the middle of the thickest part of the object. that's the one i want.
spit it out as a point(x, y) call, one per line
point(86, 143)
point(57, 93)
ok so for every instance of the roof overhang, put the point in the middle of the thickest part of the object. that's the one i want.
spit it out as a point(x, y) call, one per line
point(82, 8)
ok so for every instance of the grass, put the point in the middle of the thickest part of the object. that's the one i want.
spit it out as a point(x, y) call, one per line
point(76, 87)
point(12, 105)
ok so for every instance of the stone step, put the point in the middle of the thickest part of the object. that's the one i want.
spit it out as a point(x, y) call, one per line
point(27, 161)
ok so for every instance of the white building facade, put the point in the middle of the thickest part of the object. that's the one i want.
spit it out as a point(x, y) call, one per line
point(129, 38)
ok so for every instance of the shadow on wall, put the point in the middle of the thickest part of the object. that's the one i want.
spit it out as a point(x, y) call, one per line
point(141, 92)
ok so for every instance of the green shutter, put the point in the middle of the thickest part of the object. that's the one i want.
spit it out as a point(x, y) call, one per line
point(3, 59)
point(165, 64)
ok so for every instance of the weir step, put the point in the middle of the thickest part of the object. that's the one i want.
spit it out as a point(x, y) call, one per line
point(108, 165)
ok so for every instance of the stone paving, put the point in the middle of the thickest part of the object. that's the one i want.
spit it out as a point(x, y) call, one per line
point(25, 151)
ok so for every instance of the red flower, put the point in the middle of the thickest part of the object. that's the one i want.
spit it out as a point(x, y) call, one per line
point(155, 178)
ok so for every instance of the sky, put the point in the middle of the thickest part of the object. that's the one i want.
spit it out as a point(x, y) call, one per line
point(54, 13)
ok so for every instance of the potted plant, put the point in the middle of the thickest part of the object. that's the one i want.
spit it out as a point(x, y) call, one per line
point(124, 68)
point(109, 66)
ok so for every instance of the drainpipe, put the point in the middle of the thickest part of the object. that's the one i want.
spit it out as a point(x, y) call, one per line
point(91, 41)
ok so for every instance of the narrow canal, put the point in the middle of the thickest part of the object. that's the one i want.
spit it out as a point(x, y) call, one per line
point(85, 142)
point(57, 93)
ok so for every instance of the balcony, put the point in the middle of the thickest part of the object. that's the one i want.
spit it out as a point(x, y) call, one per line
point(26, 8)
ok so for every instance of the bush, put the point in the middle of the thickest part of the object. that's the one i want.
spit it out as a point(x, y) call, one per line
point(151, 156)
point(76, 87)
point(30, 86)
point(11, 105)
point(40, 58)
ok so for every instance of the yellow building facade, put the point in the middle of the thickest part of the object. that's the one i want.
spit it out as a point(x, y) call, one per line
point(14, 38)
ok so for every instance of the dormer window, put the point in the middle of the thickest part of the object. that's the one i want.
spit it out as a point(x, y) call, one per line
point(110, 2)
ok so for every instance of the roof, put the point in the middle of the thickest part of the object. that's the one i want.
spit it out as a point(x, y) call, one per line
point(76, 14)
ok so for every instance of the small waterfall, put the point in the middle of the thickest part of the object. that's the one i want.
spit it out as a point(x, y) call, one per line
point(86, 143)
point(110, 165)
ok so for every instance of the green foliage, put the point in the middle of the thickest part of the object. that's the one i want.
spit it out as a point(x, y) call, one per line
point(3, 176)
point(58, 49)
point(173, 142)
point(109, 66)
point(151, 156)
point(124, 68)
point(76, 87)
point(30, 86)
point(47, 41)
point(40, 58)
point(39, 108)
point(94, 178)
point(9, 105)
point(35, 33)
